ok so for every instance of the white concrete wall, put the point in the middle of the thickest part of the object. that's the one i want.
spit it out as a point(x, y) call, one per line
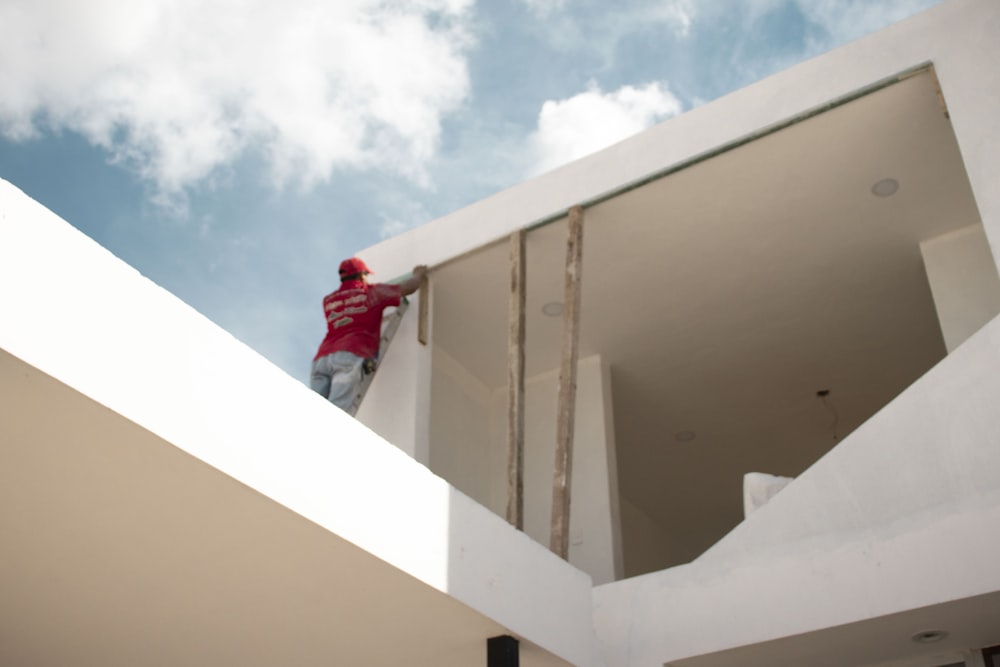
point(397, 405)
point(77, 313)
point(960, 37)
point(899, 497)
point(594, 535)
point(936, 443)
point(645, 545)
point(964, 282)
point(469, 448)
point(894, 518)
point(461, 450)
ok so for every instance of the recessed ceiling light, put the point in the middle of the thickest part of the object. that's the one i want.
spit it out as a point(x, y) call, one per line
point(929, 636)
point(685, 436)
point(885, 188)
point(553, 309)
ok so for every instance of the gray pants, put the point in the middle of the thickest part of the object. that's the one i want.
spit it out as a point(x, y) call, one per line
point(337, 377)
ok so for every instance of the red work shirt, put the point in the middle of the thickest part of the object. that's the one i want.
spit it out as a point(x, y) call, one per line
point(354, 317)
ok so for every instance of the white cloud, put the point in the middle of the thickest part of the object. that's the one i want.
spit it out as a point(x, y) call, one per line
point(678, 13)
point(842, 20)
point(601, 27)
point(178, 89)
point(398, 213)
point(592, 120)
point(849, 19)
point(736, 43)
point(542, 8)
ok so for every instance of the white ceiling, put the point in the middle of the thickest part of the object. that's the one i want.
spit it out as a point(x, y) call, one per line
point(726, 294)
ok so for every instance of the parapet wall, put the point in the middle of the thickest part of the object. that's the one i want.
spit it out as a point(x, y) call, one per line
point(77, 313)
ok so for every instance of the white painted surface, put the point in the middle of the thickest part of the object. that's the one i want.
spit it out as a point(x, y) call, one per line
point(645, 545)
point(759, 488)
point(960, 37)
point(900, 497)
point(909, 491)
point(839, 533)
point(469, 448)
point(394, 406)
point(885, 508)
point(594, 522)
point(74, 311)
point(963, 278)
point(462, 451)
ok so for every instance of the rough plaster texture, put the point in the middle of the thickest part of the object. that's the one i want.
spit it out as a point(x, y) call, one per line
point(216, 399)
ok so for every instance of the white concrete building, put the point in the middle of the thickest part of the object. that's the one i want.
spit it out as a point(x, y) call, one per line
point(797, 279)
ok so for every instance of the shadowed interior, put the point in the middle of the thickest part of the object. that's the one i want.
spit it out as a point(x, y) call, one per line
point(726, 294)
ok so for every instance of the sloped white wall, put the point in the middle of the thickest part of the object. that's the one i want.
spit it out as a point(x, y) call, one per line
point(149, 357)
point(866, 530)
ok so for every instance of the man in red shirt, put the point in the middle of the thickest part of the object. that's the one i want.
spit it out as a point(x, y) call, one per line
point(354, 326)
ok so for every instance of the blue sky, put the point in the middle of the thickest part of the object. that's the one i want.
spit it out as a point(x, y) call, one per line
point(235, 152)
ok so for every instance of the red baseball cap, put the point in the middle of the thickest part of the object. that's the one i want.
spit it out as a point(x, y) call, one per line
point(351, 266)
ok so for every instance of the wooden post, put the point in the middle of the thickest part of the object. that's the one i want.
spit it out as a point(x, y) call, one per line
point(515, 383)
point(559, 542)
point(424, 296)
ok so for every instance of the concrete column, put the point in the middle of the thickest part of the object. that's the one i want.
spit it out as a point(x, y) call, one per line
point(963, 277)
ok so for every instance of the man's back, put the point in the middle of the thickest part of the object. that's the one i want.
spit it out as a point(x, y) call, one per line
point(354, 317)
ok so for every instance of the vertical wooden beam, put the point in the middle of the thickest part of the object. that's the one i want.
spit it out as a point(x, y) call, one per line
point(424, 297)
point(559, 542)
point(515, 382)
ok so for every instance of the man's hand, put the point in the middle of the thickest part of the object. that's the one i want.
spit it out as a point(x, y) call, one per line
point(412, 284)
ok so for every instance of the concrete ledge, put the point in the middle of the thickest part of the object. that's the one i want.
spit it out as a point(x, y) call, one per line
point(893, 519)
point(77, 313)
